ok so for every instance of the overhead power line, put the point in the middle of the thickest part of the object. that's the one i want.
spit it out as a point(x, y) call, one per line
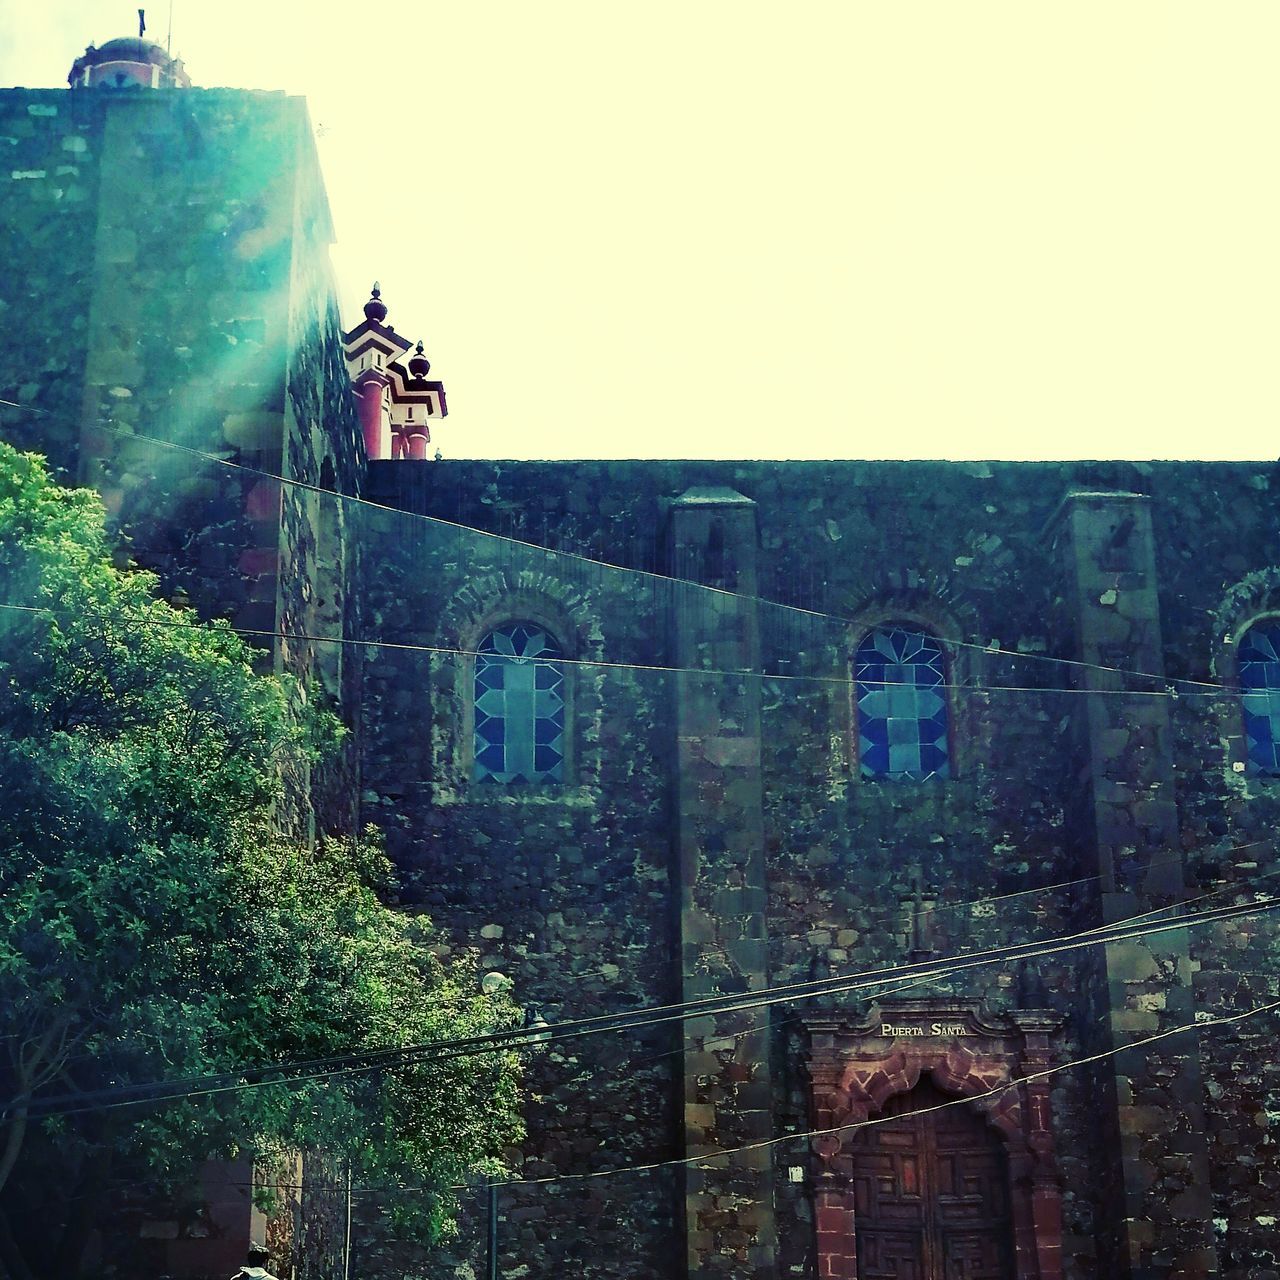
point(1180, 683)
point(971, 904)
point(197, 625)
point(720, 1038)
point(723, 1153)
point(704, 1006)
point(710, 1156)
point(360, 1062)
point(595, 663)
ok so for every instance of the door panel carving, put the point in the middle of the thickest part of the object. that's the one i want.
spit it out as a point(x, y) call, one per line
point(930, 1190)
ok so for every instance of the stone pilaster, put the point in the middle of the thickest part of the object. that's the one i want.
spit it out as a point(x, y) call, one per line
point(729, 1208)
point(1158, 1221)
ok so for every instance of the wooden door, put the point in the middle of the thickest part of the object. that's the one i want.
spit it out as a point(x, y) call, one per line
point(931, 1194)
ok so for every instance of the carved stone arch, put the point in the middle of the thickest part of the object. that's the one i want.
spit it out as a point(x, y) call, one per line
point(510, 596)
point(934, 603)
point(1254, 599)
point(490, 598)
point(865, 1088)
point(963, 1076)
point(989, 1064)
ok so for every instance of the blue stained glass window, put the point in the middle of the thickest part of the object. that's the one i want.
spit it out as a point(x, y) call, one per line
point(899, 678)
point(1260, 695)
point(519, 707)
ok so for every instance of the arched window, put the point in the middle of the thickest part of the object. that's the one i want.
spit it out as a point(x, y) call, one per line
point(899, 675)
point(519, 707)
point(1259, 655)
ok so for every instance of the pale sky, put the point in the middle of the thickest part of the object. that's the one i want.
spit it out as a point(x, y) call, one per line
point(719, 228)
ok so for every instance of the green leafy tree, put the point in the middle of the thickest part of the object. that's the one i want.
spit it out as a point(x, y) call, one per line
point(156, 925)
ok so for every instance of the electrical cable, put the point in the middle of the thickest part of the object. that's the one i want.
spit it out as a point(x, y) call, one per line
point(698, 1007)
point(994, 1092)
point(467, 653)
point(971, 904)
point(720, 1039)
point(809, 1134)
point(43, 610)
point(628, 1067)
point(443, 1051)
point(595, 663)
point(787, 1137)
point(460, 652)
point(520, 1035)
point(612, 1021)
point(991, 648)
point(35, 609)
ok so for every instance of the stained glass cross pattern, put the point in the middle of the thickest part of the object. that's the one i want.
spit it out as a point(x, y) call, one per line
point(899, 679)
point(1260, 695)
point(519, 707)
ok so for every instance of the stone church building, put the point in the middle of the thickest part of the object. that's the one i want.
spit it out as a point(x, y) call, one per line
point(853, 757)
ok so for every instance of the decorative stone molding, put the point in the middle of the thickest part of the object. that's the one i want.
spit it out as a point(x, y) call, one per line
point(1255, 599)
point(856, 1064)
point(518, 595)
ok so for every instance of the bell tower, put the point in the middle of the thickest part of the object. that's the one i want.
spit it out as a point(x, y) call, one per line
point(394, 397)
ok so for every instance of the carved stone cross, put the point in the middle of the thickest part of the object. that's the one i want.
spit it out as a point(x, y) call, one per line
point(919, 908)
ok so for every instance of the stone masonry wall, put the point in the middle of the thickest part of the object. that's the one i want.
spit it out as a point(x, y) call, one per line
point(166, 268)
point(1219, 554)
point(50, 155)
point(963, 550)
point(174, 284)
point(319, 597)
point(565, 889)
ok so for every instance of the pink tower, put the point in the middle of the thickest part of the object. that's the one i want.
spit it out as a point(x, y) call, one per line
point(394, 397)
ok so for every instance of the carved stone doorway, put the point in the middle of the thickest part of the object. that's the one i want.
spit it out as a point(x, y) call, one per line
point(987, 1155)
point(931, 1193)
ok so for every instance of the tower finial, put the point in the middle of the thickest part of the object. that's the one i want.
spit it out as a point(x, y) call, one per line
point(375, 309)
